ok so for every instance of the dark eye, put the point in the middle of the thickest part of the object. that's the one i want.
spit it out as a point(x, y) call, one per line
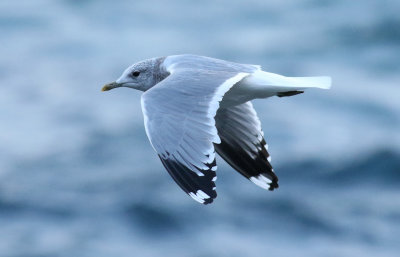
point(135, 73)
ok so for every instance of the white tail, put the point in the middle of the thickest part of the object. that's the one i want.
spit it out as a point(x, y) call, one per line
point(323, 82)
point(263, 78)
point(262, 84)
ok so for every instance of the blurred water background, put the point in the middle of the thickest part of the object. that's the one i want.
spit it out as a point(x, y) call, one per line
point(79, 178)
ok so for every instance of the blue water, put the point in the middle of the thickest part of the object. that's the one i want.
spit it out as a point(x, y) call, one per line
point(79, 178)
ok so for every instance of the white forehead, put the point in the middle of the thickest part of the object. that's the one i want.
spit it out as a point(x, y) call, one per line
point(134, 67)
point(139, 66)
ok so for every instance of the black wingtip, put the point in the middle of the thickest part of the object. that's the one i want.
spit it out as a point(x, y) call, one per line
point(273, 185)
point(200, 187)
point(208, 201)
point(289, 93)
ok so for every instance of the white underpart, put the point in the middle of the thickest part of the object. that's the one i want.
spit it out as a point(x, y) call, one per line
point(200, 196)
point(261, 181)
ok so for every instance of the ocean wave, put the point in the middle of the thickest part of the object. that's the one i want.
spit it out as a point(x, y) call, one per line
point(379, 167)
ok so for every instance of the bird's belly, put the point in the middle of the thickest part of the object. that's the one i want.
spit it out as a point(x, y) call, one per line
point(242, 92)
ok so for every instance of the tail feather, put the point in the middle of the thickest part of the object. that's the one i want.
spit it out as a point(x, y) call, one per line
point(281, 83)
point(262, 84)
point(323, 82)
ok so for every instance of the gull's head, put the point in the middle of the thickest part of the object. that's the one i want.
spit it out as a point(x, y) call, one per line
point(138, 76)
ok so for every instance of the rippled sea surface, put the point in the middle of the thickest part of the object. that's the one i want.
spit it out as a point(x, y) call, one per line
point(79, 178)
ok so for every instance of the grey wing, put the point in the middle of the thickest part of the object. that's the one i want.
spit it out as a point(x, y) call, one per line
point(179, 120)
point(243, 145)
point(196, 62)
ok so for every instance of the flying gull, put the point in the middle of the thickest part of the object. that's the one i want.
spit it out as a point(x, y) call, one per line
point(194, 106)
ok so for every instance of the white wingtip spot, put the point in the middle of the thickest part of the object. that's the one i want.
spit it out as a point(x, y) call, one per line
point(214, 179)
point(214, 168)
point(261, 181)
point(195, 197)
point(198, 173)
point(200, 196)
point(269, 158)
